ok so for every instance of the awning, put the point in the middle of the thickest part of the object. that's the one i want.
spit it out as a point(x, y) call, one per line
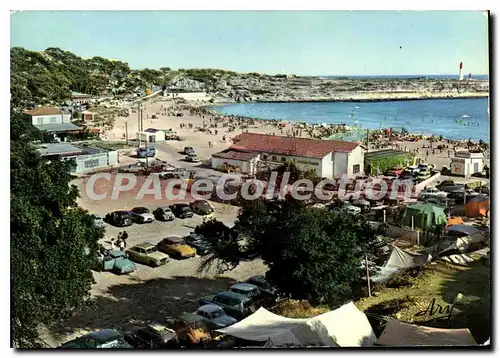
point(58, 127)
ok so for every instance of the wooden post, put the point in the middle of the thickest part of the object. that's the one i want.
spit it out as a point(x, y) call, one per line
point(418, 237)
point(412, 222)
point(126, 133)
point(368, 276)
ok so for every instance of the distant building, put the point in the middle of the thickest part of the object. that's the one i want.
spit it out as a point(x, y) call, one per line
point(87, 116)
point(80, 98)
point(465, 163)
point(252, 152)
point(85, 158)
point(189, 96)
point(151, 135)
point(51, 120)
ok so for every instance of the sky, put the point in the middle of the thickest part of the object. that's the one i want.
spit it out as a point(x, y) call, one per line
point(295, 42)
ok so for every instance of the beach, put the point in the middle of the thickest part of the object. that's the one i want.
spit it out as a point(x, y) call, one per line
point(218, 131)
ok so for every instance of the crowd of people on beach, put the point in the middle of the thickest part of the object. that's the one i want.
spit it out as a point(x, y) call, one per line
point(375, 139)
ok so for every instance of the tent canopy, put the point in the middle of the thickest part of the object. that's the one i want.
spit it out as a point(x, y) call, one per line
point(478, 206)
point(399, 334)
point(344, 327)
point(424, 215)
point(402, 259)
point(462, 229)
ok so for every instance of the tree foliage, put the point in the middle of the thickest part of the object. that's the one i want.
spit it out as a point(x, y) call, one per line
point(310, 253)
point(52, 240)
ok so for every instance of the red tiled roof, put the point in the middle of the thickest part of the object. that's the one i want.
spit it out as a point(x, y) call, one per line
point(301, 147)
point(43, 111)
point(235, 155)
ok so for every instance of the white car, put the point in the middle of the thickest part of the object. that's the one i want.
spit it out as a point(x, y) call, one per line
point(432, 193)
point(99, 222)
point(351, 209)
point(413, 169)
point(141, 215)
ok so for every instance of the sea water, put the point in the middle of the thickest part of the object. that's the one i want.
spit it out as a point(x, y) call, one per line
point(452, 118)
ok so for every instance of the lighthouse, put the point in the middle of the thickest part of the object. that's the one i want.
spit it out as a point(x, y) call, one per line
point(461, 71)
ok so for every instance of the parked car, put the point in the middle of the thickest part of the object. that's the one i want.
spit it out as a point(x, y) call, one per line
point(151, 336)
point(362, 203)
point(200, 243)
point(188, 150)
point(148, 254)
point(432, 193)
point(99, 222)
point(452, 188)
point(175, 247)
point(443, 202)
point(106, 338)
point(146, 152)
point(193, 158)
point(215, 317)
point(424, 174)
point(445, 183)
point(141, 215)
point(252, 292)
point(163, 213)
point(234, 304)
point(182, 210)
point(264, 286)
point(413, 169)
point(395, 171)
point(119, 218)
point(201, 207)
point(350, 209)
point(115, 261)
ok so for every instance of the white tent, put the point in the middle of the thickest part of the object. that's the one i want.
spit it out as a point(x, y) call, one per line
point(344, 327)
point(399, 334)
point(401, 259)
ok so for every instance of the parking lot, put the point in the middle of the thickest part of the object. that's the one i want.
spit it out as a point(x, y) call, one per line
point(148, 294)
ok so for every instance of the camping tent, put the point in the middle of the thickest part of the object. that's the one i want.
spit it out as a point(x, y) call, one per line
point(478, 206)
point(464, 243)
point(398, 260)
point(344, 327)
point(399, 334)
point(462, 230)
point(402, 259)
point(424, 215)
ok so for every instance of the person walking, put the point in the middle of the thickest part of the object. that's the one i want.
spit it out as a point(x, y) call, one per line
point(121, 245)
point(113, 245)
point(124, 238)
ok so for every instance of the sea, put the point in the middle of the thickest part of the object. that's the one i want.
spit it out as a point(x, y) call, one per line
point(452, 118)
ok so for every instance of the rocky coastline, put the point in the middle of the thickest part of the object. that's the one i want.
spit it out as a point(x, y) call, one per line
point(264, 88)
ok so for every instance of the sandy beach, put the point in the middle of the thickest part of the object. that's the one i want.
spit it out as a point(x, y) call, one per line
point(192, 120)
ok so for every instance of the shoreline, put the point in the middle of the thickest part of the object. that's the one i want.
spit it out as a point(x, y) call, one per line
point(360, 100)
point(368, 98)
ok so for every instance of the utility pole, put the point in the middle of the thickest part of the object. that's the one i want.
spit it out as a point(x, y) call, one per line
point(126, 133)
point(146, 141)
point(368, 276)
point(139, 123)
point(367, 140)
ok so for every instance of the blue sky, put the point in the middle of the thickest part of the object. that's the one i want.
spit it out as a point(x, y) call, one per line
point(299, 42)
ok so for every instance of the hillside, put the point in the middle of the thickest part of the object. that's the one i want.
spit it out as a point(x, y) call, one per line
point(50, 76)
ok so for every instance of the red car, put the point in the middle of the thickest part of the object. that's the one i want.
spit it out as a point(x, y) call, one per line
point(396, 171)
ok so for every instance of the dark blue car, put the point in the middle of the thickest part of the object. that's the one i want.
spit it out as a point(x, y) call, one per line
point(146, 152)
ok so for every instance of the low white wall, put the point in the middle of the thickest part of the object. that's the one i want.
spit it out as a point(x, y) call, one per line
point(420, 186)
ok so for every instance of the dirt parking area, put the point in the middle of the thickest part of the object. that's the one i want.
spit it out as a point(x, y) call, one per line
point(148, 294)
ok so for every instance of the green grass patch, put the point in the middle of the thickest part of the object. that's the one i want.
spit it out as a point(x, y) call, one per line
point(465, 289)
point(111, 145)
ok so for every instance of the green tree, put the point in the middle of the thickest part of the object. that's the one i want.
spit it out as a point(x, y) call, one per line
point(52, 240)
point(310, 252)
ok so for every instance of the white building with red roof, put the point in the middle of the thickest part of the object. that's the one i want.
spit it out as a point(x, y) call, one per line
point(252, 152)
